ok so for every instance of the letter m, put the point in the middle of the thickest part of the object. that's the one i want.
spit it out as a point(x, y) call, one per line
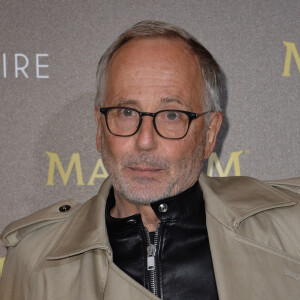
point(233, 160)
point(290, 49)
point(55, 161)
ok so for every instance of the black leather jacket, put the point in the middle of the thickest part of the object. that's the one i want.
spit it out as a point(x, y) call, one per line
point(175, 261)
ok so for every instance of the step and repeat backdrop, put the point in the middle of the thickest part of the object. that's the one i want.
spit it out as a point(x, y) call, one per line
point(49, 52)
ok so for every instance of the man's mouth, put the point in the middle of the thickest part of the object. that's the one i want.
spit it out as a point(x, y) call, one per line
point(145, 170)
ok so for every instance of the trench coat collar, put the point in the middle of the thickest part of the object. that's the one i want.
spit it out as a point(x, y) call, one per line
point(86, 230)
point(230, 200)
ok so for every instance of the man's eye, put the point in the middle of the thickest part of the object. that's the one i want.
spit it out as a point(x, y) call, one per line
point(172, 115)
point(127, 112)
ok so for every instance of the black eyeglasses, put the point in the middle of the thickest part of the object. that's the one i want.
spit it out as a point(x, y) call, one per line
point(169, 124)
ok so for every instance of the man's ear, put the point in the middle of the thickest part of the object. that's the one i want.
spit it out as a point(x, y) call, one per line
point(214, 124)
point(98, 135)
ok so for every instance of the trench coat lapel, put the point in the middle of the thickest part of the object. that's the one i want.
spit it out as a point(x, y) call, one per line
point(244, 268)
point(86, 230)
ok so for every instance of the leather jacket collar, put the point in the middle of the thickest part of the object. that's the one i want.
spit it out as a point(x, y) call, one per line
point(175, 208)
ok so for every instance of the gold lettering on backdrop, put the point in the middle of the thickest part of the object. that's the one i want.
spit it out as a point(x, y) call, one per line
point(290, 49)
point(95, 174)
point(54, 160)
point(1, 264)
point(233, 160)
point(99, 171)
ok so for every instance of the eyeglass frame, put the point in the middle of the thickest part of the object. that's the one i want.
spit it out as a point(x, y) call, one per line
point(191, 116)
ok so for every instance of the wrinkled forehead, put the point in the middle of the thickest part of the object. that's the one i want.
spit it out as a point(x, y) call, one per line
point(169, 49)
point(155, 64)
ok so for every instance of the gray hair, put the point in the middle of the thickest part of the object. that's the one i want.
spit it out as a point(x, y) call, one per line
point(147, 29)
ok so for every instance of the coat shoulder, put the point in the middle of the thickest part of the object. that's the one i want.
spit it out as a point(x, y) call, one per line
point(19, 229)
point(281, 222)
point(291, 184)
point(28, 241)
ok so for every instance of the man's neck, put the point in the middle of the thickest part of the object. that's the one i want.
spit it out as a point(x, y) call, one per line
point(124, 208)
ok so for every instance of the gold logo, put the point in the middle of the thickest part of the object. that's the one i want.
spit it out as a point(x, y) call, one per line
point(100, 172)
point(290, 50)
point(233, 161)
point(1, 264)
point(54, 160)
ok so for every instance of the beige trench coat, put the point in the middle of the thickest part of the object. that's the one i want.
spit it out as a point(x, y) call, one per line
point(254, 234)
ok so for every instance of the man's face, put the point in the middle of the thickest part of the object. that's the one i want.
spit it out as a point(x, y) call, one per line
point(151, 75)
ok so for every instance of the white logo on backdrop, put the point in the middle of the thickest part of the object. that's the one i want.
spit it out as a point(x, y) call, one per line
point(20, 66)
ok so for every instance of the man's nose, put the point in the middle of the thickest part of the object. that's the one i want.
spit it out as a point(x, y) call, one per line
point(146, 136)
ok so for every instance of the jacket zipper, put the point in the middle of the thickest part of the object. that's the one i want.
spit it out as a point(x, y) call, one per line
point(151, 261)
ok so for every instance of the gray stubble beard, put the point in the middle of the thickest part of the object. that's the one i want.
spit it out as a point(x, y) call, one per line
point(123, 185)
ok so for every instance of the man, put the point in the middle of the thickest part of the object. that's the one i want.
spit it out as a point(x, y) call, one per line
point(155, 231)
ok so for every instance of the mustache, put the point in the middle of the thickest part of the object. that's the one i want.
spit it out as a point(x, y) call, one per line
point(145, 159)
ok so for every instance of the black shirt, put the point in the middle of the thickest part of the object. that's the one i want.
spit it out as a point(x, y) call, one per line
point(175, 261)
